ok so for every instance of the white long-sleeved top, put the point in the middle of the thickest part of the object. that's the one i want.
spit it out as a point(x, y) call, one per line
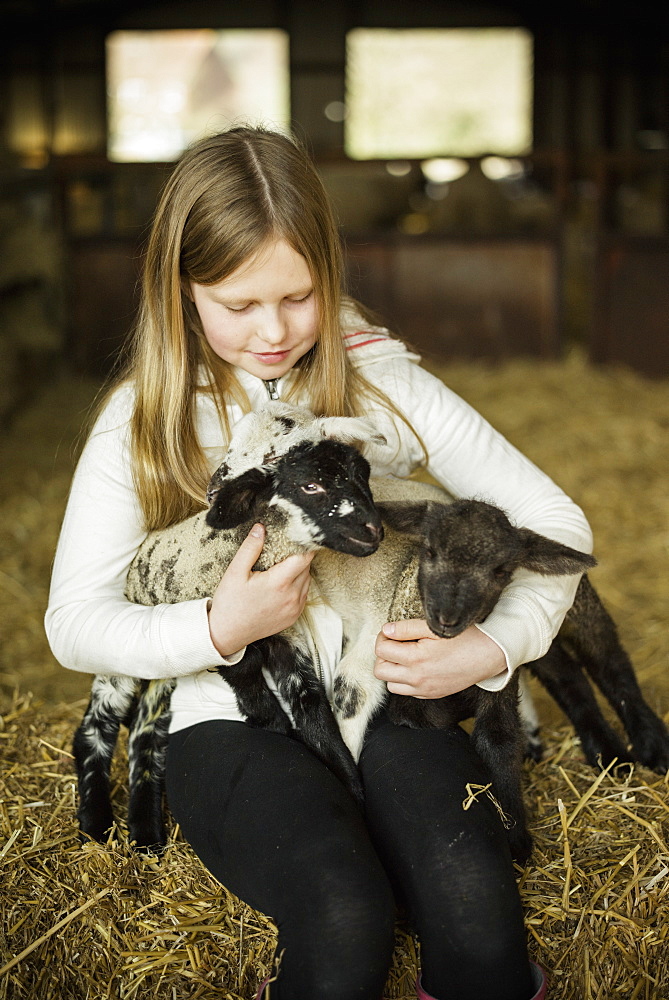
point(91, 627)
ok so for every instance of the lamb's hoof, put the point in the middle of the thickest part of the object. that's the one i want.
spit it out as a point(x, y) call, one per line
point(534, 748)
point(347, 698)
point(96, 827)
point(652, 750)
point(606, 751)
point(342, 764)
point(147, 841)
point(146, 829)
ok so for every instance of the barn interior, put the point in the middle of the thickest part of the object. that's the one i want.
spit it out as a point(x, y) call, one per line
point(531, 274)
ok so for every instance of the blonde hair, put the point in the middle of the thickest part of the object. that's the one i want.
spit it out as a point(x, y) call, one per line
point(228, 196)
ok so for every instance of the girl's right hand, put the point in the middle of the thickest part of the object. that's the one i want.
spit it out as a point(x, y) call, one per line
point(249, 605)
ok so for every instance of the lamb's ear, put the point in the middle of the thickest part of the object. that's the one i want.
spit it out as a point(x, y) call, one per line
point(216, 481)
point(407, 516)
point(543, 555)
point(237, 499)
point(357, 431)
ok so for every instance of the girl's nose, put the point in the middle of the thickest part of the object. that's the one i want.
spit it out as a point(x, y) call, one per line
point(271, 327)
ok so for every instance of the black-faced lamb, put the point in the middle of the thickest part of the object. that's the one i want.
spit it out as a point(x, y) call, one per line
point(309, 490)
point(449, 564)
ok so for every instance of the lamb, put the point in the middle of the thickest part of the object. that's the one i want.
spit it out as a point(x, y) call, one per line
point(449, 563)
point(310, 488)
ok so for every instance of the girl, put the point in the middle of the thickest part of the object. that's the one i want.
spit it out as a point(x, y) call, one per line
point(242, 301)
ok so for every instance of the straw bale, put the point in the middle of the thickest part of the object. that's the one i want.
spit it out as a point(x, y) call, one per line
point(596, 891)
point(98, 921)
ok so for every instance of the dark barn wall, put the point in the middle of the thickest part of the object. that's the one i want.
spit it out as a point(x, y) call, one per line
point(575, 242)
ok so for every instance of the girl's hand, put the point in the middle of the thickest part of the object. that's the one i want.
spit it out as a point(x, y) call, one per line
point(412, 660)
point(247, 606)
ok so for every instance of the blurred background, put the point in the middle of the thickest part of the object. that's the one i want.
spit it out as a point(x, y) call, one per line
point(501, 178)
point(501, 172)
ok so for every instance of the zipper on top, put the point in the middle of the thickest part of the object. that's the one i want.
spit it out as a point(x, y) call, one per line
point(272, 387)
point(318, 665)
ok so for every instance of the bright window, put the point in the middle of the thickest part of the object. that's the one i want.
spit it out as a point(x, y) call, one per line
point(433, 92)
point(167, 88)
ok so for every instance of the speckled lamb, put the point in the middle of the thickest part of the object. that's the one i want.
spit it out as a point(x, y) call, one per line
point(309, 490)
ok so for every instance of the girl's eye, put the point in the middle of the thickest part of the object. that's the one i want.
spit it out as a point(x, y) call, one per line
point(313, 488)
point(237, 309)
point(301, 299)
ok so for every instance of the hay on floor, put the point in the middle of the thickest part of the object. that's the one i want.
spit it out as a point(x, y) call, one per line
point(102, 922)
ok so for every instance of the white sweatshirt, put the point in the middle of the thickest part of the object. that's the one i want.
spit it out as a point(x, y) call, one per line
point(91, 627)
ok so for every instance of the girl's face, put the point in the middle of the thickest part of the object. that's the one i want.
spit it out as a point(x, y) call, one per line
point(263, 317)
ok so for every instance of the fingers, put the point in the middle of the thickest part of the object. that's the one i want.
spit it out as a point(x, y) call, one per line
point(399, 679)
point(409, 630)
point(292, 570)
point(430, 667)
point(399, 642)
point(248, 552)
point(247, 606)
point(289, 580)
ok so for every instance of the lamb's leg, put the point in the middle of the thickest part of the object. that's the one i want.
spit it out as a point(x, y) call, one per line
point(432, 713)
point(292, 668)
point(254, 698)
point(591, 632)
point(112, 701)
point(147, 748)
point(358, 694)
point(530, 720)
point(566, 682)
point(498, 738)
point(293, 673)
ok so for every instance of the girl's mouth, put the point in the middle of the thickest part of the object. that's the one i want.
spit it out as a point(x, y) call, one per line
point(271, 357)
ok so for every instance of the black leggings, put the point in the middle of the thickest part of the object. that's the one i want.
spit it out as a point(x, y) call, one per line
point(279, 830)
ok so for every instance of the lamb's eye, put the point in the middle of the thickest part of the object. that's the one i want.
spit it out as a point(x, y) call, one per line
point(500, 572)
point(429, 552)
point(313, 488)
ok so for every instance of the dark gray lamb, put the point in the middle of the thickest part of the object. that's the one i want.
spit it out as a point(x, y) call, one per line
point(449, 562)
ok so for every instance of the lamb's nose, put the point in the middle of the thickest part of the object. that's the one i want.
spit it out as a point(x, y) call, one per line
point(375, 530)
point(448, 619)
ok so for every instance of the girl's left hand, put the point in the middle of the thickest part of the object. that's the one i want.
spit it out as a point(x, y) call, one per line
point(412, 660)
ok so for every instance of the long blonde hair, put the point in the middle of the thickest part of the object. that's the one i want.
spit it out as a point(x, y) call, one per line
point(228, 196)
